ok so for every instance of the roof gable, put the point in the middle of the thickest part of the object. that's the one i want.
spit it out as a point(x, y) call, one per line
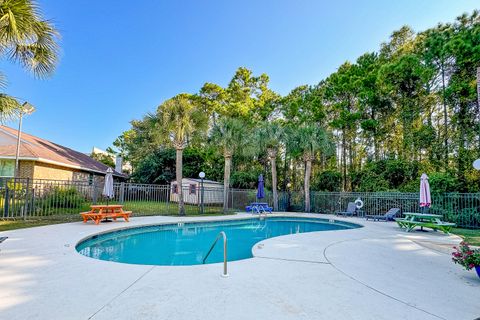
point(38, 149)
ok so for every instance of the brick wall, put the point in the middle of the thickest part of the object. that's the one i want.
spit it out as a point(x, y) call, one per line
point(26, 169)
point(50, 171)
point(40, 170)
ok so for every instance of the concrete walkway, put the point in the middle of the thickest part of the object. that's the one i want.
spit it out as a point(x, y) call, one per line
point(375, 272)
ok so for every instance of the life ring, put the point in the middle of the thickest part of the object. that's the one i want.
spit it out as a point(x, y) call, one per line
point(359, 203)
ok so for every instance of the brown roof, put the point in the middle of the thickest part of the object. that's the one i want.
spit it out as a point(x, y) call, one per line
point(38, 149)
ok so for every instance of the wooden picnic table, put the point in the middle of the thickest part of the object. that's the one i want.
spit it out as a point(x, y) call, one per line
point(101, 211)
point(433, 221)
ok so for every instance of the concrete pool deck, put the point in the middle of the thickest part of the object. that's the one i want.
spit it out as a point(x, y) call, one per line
point(374, 272)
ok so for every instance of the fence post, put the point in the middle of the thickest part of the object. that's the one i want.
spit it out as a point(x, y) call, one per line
point(94, 192)
point(25, 208)
point(7, 200)
point(122, 192)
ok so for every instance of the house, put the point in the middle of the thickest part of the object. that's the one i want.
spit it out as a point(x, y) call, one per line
point(212, 194)
point(43, 159)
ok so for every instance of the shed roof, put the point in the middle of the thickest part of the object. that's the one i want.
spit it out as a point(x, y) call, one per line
point(199, 180)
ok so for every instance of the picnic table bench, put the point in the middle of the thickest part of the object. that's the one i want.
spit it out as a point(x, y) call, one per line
point(99, 212)
point(432, 221)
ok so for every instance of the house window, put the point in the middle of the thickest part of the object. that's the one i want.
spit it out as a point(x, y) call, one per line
point(193, 189)
point(7, 168)
point(174, 188)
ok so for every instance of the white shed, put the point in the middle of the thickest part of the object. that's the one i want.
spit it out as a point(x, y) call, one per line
point(213, 191)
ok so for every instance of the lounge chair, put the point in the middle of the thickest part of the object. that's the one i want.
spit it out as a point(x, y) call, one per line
point(351, 208)
point(389, 216)
point(259, 207)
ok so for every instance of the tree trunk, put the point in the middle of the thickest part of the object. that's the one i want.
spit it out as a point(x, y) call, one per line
point(272, 154)
point(226, 179)
point(462, 153)
point(179, 177)
point(286, 178)
point(351, 165)
point(478, 102)
point(344, 161)
point(308, 172)
point(375, 138)
point(445, 118)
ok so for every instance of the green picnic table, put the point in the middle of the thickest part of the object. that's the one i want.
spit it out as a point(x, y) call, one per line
point(432, 221)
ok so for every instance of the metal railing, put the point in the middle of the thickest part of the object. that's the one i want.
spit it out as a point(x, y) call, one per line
point(460, 208)
point(27, 198)
point(221, 234)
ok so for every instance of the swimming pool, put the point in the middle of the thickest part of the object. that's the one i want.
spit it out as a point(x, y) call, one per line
point(188, 243)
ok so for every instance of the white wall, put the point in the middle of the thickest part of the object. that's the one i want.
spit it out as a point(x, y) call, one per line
point(213, 192)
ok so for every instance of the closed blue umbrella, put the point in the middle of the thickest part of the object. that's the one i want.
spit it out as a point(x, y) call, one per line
point(261, 189)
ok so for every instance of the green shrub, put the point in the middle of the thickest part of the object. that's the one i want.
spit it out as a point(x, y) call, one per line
point(327, 181)
point(368, 181)
point(60, 197)
point(442, 182)
point(245, 179)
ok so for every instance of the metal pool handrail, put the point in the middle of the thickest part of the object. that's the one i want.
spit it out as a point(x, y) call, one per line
point(221, 234)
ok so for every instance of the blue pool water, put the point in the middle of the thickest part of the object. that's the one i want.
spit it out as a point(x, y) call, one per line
point(187, 244)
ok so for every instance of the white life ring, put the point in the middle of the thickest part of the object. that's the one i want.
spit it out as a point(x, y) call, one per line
point(359, 203)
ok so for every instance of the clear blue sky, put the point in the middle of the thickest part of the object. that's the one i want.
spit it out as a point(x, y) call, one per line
point(121, 59)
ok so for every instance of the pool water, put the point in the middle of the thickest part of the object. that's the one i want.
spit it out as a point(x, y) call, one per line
point(187, 244)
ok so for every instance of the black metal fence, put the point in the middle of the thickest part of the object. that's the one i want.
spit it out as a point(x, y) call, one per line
point(26, 198)
point(460, 208)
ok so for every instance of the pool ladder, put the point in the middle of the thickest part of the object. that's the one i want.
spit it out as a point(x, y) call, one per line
point(224, 236)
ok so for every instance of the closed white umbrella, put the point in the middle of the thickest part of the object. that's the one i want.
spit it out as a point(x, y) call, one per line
point(108, 186)
point(107, 191)
point(425, 198)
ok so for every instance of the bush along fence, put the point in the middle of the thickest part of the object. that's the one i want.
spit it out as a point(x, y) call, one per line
point(26, 198)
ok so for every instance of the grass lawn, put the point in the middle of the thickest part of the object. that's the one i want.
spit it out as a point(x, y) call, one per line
point(19, 224)
point(472, 236)
point(168, 208)
point(140, 208)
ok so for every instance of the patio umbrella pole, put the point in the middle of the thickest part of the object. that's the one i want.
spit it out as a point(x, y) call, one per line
point(425, 198)
point(108, 188)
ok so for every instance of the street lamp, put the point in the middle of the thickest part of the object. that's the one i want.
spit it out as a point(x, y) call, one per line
point(289, 196)
point(202, 176)
point(476, 164)
point(26, 109)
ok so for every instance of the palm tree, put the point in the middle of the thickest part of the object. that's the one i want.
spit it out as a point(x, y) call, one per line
point(269, 138)
point(179, 117)
point(307, 141)
point(28, 39)
point(230, 135)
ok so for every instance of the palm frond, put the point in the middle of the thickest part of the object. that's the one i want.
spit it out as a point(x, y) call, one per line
point(41, 56)
point(10, 108)
point(232, 136)
point(28, 39)
point(179, 118)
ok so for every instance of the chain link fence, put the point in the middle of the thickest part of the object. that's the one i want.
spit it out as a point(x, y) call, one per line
point(26, 199)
